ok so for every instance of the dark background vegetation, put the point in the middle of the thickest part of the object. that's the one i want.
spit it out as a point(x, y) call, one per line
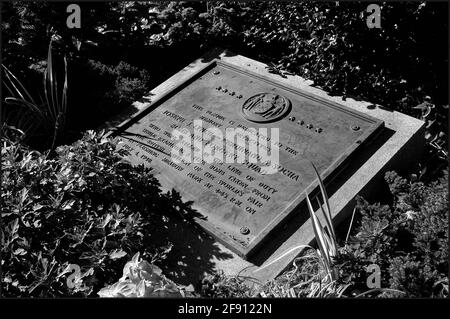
point(123, 49)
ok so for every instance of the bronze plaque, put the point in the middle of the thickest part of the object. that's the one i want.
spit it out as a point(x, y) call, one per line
point(243, 201)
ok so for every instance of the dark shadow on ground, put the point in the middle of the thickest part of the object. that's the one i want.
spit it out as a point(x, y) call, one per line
point(173, 67)
point(192, 250)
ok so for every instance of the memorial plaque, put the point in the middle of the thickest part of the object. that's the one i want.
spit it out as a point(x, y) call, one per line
point(243, 202)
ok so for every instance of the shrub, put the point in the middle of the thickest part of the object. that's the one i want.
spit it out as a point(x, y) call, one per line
point(408, 240)
point(328, 43)
point(131, 83)
point(101, 91)
point(85, 206)
point(219, 285)
point(118, 85)
point(43, 120)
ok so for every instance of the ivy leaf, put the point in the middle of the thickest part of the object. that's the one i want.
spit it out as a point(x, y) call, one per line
point(37, 207)
point(107, 220)
point(117, 254)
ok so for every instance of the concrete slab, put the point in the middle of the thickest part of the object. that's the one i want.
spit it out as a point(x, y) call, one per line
point(399, 146)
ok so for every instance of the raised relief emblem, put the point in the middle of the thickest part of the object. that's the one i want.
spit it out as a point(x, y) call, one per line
point(266, 107)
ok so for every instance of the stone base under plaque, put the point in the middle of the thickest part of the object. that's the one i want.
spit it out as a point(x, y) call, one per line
point(398, 147)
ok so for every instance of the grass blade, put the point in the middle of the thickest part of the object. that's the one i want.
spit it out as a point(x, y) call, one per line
point(19, 89)
point(379, 290)
point(282, 255)
point(65, 88)
point(47, 101)
point(29, 115)
point(49, 85)
point(327, 213)
point(331, 248)
point(20, 102)
point(10, 90)
point(318, 232)
point(332, 243)
point(350, 226)
point(51, 79)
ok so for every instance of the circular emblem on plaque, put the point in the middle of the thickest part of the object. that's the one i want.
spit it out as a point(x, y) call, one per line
point(266, 107)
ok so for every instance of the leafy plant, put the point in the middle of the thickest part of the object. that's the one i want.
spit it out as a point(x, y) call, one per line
point(325, 237)
point(318, 277)
point(85, 206)
point(408, 240)
point(106, 89)
point(327, 43)
point(219, 285)
point(141, 279)
point(45, 118)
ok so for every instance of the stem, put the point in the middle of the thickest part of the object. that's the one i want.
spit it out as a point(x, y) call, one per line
point(350, 226)
point(56, 132)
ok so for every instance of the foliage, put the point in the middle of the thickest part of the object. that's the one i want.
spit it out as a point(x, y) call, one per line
point(307, 278)
point(408, 240)
point(99, 88)
point(115, 86)
point(44, 119)
point(400, 66)
point(304, 280)
point(325, 237)
point(85, 206)
point(219, 285)
point(327, 42)
point(141, 279)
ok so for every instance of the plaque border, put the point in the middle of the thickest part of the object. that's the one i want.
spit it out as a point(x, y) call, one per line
point(330, 172)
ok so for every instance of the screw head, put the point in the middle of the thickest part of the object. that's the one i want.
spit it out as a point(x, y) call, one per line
point(245, 230)
point(355, 127)
point(216, 72)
